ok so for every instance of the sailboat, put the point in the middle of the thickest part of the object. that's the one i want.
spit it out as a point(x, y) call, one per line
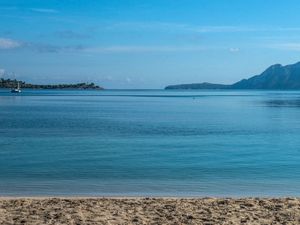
point(16, 90)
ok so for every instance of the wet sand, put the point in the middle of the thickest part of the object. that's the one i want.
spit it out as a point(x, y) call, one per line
point(208, 211)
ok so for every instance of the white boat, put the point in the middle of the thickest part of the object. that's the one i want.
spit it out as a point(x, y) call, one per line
point(16, 90)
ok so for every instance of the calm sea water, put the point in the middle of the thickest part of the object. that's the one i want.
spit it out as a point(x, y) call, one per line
point(150, 143)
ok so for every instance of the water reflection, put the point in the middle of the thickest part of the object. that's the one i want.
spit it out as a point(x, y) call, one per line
point(283, 103)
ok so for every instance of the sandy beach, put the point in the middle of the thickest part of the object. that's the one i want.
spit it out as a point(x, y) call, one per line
point(208, 211)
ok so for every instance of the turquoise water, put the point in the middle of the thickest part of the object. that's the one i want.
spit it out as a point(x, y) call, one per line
point(150, 143)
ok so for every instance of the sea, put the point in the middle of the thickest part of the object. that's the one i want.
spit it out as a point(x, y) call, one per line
point(170, 143)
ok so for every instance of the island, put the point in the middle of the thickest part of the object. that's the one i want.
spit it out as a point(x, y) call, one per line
point(12, 83)
point(276, 77)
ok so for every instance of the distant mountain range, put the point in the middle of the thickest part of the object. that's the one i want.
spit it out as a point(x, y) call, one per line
point(9, 83)
point(275, 77)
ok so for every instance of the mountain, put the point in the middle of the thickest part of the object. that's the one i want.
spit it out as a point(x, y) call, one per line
point(198, 86)
point(8, 83)
point(274, 77)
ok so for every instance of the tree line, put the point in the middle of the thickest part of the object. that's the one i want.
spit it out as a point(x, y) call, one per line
point(12, 83)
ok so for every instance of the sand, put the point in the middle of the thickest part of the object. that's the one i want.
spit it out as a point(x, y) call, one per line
point(209, 211)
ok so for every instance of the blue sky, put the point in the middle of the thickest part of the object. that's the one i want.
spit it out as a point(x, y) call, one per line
point(145, 44)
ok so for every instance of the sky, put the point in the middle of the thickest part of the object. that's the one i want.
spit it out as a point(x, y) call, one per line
point(145, 44)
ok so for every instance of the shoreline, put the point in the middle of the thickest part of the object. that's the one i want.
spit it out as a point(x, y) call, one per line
point(149, 210)
point(84, 197)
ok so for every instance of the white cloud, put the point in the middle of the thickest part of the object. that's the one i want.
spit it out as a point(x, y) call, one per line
point(6, 43)
point(182, 27)
point(132, 49)
point(234, 50)
point(178, 27)
point(43, 10)
point(221, 29)
point(286, 46)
